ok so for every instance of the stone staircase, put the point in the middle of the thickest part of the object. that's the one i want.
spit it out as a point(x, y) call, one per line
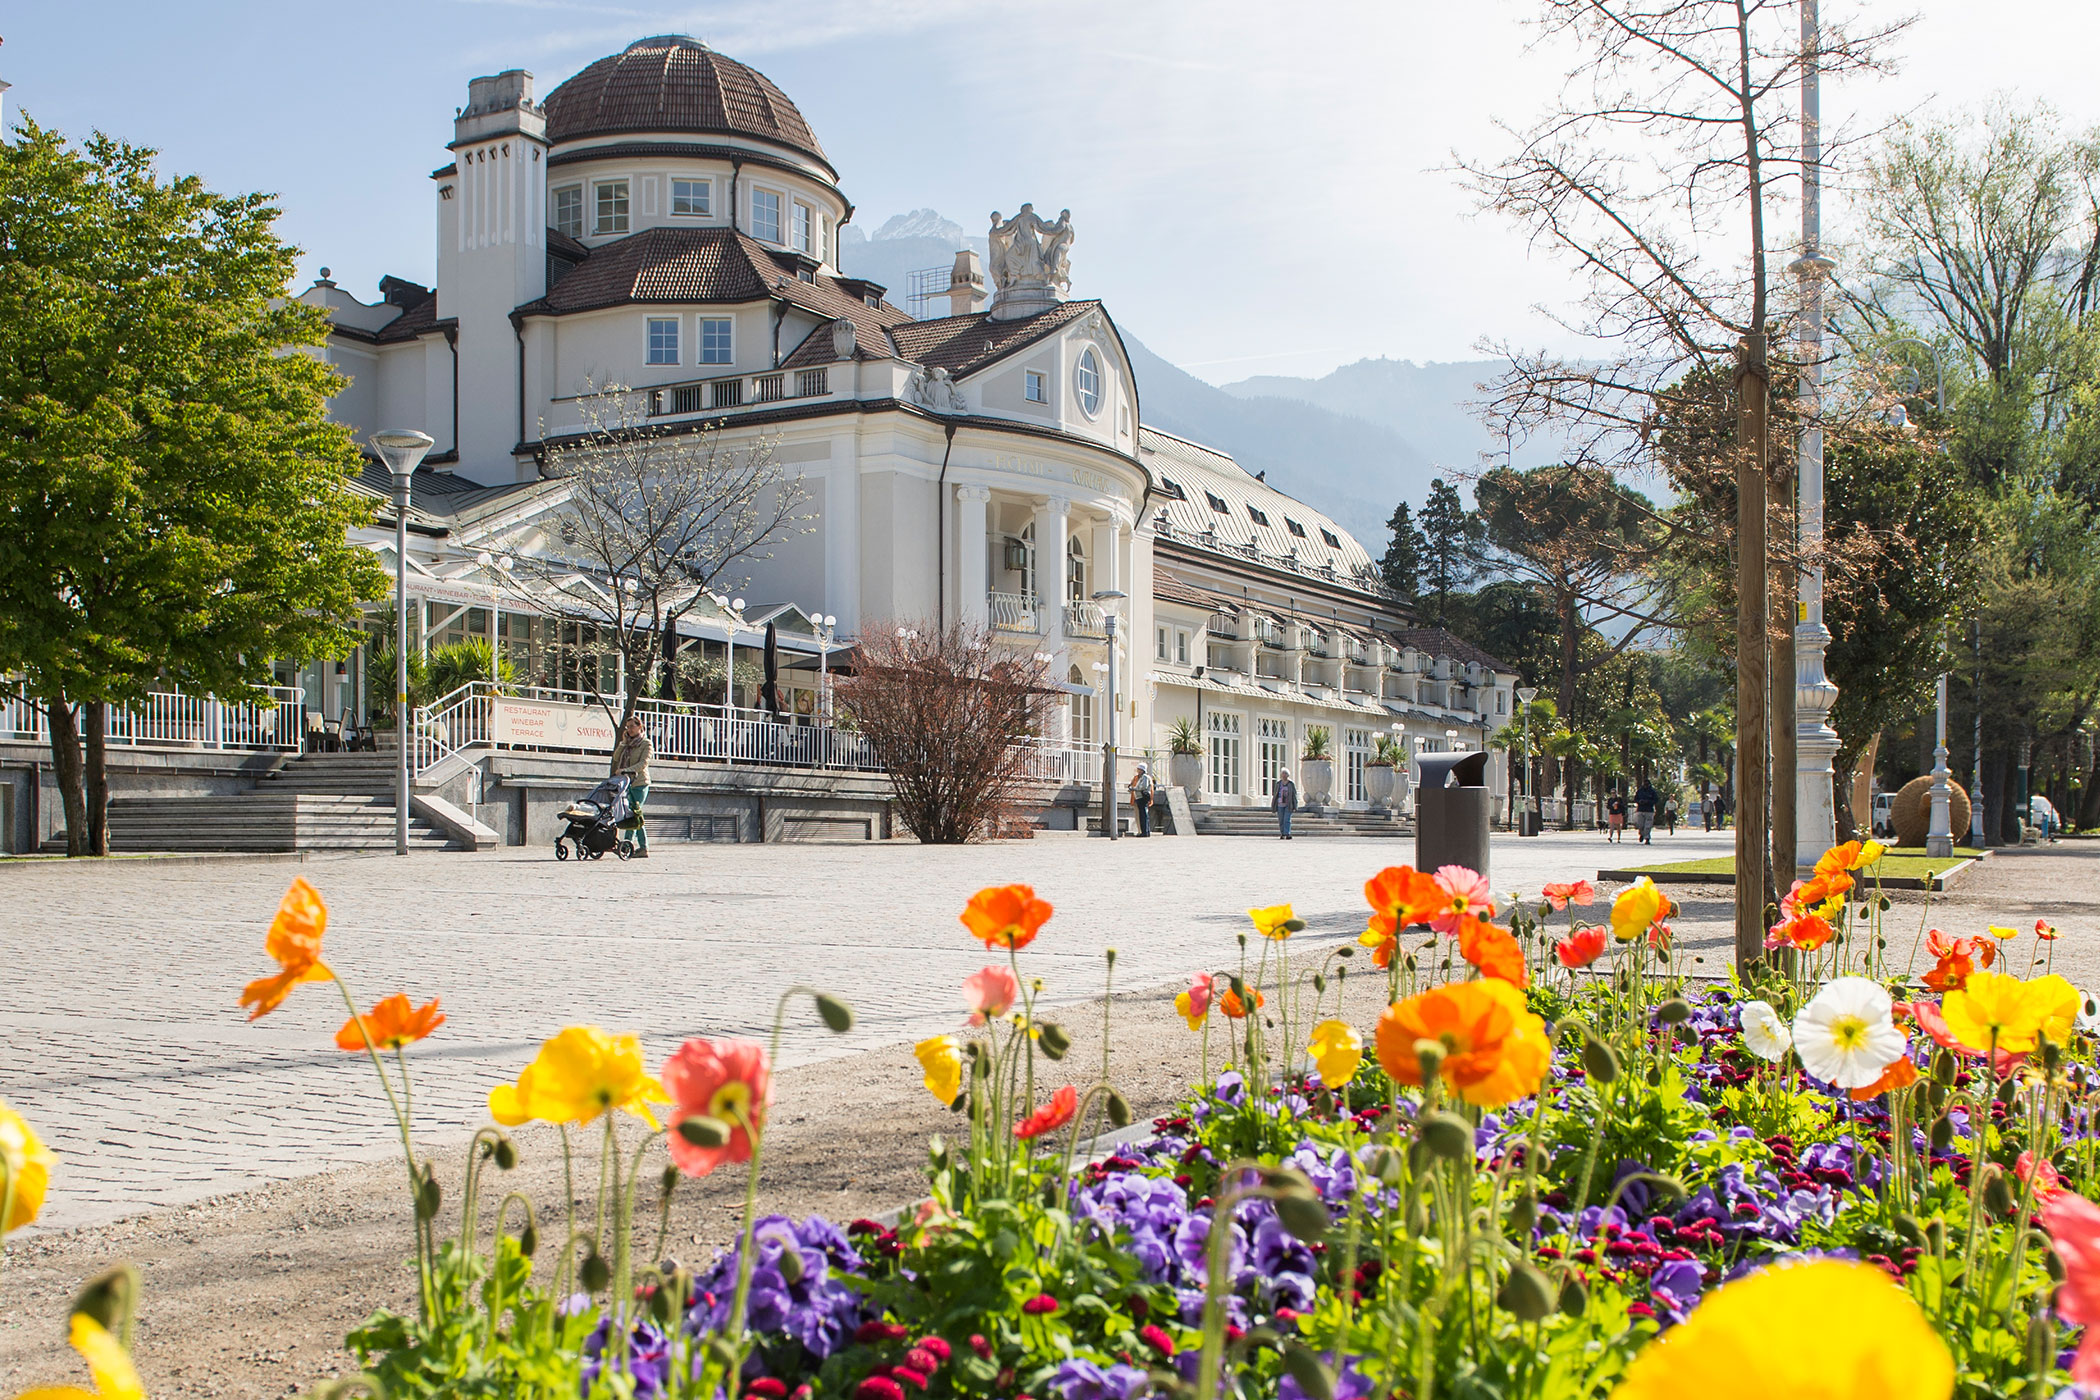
point(314, 802)
point(1260, 821)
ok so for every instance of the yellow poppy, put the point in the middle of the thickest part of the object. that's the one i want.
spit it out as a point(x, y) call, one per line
point(1830, 1329)
point(941, 1058)
point(29, 1163)
point(107, 1361)
point(1991, 1011)
point(579, 1074)
point(1276, 921)
point(1337, 1050)
point(1638, 906)
point(2060, 1003)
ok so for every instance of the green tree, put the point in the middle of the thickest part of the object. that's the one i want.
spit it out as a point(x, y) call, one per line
point(1453, 540)
point(173, 492)
point(1401, 568)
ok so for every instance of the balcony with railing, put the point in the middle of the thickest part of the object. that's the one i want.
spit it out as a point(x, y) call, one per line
point(739, 391)
point(1269, 633)
point(178, 720)
point(1017, 613)
point(1085, 619)
point(1223, 627)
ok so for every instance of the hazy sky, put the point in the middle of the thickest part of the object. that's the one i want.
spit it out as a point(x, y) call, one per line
point(1257, 188)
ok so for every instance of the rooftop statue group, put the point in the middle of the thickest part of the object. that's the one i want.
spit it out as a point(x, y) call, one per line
point(1027, 249)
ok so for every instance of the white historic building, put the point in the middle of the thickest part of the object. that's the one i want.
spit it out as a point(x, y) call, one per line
point(667, 221)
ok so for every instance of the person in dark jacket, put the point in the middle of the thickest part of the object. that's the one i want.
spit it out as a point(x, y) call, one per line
point(1141, 799)
point(1285, 802)
point(1645, 800)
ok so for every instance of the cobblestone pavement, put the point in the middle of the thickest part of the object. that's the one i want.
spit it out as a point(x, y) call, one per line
point(121, 1040)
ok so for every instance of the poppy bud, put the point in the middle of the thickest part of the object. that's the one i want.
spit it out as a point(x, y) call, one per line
point(660, 1304)
point(703, 1131)
point(1908, 1227)
point(1674, 1012)
point(1943, 1066)
point(2041, 1344)
point(722, 1352)
point(2054, 1265)
point(1526, 1293)
point(1447, 1135)
point(1055, 1041)
point(529, 1240)
point(791, 1266)
point(505, 1154)
point(1383, 1164)
point(429, 1196)
point(1574, 1298)
point(1943, 1132)
point(595, 1273)
point(1936, 1235)
point(1347, 950)
point(2052, 1054)
point(1936, 1095)
point(1997, 1194)
point(1303, 1214)
point(1524, 1214)
point(1429, 1054)
point(837, 1016)
point(110, 1298)
point(1600, 1061)
point(1319, 982)
point(668, 1181)
point(1118, 1109)
point(1654, 1076)
point(1309, 1371)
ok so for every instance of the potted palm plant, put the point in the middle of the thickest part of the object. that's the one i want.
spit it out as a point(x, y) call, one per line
point(1316, 766)
point(1185, 758)
point(1381, 775)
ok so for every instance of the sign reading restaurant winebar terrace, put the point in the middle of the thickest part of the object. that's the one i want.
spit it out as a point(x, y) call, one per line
point(550, 724)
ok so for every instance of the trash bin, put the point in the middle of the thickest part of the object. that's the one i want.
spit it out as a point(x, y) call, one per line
point(1528, 822)
point(1451, 811)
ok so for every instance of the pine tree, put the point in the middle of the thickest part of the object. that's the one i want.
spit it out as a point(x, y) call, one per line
point(1454, 540)
point(1401, 568)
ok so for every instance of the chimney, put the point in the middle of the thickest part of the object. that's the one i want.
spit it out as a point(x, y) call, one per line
point(966, 284)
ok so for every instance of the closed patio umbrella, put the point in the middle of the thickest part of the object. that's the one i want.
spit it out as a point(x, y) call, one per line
point(769, 693)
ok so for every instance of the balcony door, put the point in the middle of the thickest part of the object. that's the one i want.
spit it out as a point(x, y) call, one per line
point(1275, 753)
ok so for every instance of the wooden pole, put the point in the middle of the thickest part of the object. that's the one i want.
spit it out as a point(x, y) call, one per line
point(1752, 387)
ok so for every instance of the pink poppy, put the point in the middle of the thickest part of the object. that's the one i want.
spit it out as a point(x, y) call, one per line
point(2046, 1183)
point(990, 992)
point(725, 1079)
point(1461, 894)
point(1563, 893)
point(2073, 1224)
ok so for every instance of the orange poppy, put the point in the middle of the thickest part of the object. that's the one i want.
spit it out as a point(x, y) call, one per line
point(1400, 896)
point(1232, 1006)
point(1822, 893)
point(391, 1024)
point(1491, 949)
point(1382, 945)
point(1051, 1116)
point(1900, 1074)
point(1495, 1048)
point(1006, 916)
point(294, 942)
point(1804, 931)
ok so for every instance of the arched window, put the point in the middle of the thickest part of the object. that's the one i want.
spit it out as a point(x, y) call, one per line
point(1075, 571)
point(1086, 378)
point(1028, 561)
point(1082, 712)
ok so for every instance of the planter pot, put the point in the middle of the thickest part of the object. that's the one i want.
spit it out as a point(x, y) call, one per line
point(1318, 780)
point(1185, 771)
point(1380, 783)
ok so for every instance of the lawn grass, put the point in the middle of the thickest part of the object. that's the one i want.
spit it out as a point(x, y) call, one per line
point(1898, 863)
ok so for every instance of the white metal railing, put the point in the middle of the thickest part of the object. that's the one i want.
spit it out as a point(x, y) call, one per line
point(1224, 626)
point(177, 720)
point(1015, 612)
point(1084, 618)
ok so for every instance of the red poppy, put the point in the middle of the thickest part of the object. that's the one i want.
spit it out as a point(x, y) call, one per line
point(1042, 1304)
point(1582, 947)
point(1051, 1116)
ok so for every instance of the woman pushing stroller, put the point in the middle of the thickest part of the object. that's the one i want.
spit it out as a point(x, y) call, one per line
point(631, 759)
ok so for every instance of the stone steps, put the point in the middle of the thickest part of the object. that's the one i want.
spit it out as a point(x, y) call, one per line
point(1260, 821)
point(264, 821)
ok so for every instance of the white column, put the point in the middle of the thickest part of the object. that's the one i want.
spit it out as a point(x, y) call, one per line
point(970, 546)
point(1104, 554)
point(1052, 532)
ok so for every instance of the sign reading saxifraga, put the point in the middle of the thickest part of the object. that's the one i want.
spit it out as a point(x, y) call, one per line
point(550, 724)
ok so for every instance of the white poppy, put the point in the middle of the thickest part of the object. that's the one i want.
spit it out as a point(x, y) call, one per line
point(1764, 1033)
point(1846, 1036)
point(2088, 1019)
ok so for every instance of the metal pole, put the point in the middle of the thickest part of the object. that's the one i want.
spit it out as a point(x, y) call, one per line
point(1976, 745)
point(401, 661)
point(1112, 798)
point(1815, 742)
point(1939, 840)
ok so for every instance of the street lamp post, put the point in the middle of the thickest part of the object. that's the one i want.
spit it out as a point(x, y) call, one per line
point(402, 450)
point(1939, 840)
point(826, 626)
point(1526, 827)
point(1111, 799)
point(736, 620)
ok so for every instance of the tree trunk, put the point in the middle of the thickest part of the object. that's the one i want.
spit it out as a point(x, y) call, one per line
point(94, 721)
point(1786, 820)
point(1751, 815)
point(66, 769)
point(1569, 637)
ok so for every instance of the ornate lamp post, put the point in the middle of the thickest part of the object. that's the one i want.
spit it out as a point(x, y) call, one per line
point(1108, 598)
point(1525, 695)
point(402, 450)
point(1939, 841)
point(826, 627)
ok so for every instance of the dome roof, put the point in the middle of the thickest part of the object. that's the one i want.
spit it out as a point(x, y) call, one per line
point(675, 83)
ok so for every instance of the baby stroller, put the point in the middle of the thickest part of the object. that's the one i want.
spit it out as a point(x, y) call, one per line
point(594, 823)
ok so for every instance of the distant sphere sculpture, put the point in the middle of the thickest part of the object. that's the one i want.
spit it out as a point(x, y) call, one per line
point(1911, 814)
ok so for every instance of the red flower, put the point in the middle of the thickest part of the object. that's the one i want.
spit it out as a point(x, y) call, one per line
point(1048, 1119)
point(878, 1388)
point(981, 1345)
point(2073, 1224)
point(771, 1387)
point(2047, 1184)
point(728, 1080)
point(922, 1360)
point(1006, 916)
point(1581, 948)
point(915, 1379)
point(1561, 895)
point(937, 1346)
point(1156, 1338)
point(871, 1332)
point(1041, 1305)
point(2045, 930)
point(1490, 948)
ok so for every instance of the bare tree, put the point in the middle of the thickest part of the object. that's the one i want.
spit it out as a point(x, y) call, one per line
point(945, 710)
point(653, 523)
point(1657, 173)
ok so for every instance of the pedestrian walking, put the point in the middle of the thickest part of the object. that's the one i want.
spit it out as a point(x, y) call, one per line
point(1615, 816)
point(631, 757)
point(1670, 815)
point(1141, 799)
point(1285, 802)
point(1645, 801)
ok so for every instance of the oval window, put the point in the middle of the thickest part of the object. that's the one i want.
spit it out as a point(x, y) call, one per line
point(1087, 379)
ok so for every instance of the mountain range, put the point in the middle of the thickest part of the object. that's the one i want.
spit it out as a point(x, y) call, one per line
point(1352, 443)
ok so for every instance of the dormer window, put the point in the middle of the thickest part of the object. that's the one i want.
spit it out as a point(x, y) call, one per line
point(1032, 387)
point(1217, 503)
point(1172, 490)
point(690, 199)
point(1333, 541)
point(1294, 527)
point(1257, 516)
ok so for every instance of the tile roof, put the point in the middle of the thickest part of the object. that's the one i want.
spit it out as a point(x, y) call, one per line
point(1208, 479)
point(964, 344)
point(714, 265)
point(1435, 641)
point(1170, 589)
point(442, 498)
point(418, 319)
point(674, 83)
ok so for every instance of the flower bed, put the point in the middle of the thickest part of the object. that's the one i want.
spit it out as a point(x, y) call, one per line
point(1554, 1167)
